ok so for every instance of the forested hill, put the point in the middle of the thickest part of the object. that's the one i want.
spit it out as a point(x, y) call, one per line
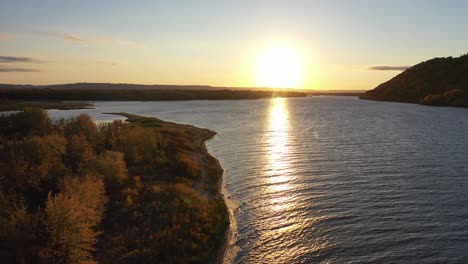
point(440, 81)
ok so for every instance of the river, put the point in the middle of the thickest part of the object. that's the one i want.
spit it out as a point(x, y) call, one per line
point(333, 179)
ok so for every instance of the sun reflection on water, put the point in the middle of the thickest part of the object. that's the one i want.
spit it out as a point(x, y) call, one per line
point(280, 201)
point(282, 209)
point(277, 154)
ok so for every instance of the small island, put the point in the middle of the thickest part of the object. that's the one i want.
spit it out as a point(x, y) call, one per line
point(437, 82)
point(136, 191)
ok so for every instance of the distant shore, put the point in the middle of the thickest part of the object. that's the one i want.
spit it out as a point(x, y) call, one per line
point(87, 93)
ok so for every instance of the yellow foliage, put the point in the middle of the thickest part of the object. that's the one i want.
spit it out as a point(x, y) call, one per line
point(72, 217)
point(112, 166)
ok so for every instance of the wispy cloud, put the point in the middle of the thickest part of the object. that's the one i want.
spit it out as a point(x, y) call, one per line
point(73, 38)
point(111, 63)
point(17, 69)
point(88, 40)
point(13, 60)
point(99, 40)
point(5, 59)
point(389, 68)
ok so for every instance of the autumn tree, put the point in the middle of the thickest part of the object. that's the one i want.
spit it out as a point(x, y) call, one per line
point(138, 144)
point(82, 125)
point(18, 233)
point(72, 217)
point(80, 153)
point(29, 122)
point(111, 165)
point(33, 163)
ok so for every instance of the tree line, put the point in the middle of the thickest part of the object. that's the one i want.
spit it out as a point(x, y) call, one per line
point(82, 94)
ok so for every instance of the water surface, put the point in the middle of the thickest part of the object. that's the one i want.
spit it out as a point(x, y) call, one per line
point(334, 179)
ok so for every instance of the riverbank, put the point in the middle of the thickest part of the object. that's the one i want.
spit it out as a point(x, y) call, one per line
point(210, 182)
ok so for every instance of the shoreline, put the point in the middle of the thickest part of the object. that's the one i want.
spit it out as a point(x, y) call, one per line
point(229, 251)
point(210, 169)
point(222, 192)
point(222, 256)
point(224, 247)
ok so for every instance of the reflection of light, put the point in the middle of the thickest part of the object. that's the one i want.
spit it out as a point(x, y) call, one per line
point(278, 149)
point(283, 221)
point(278, 116)
point(277, 141)
point(281, 209)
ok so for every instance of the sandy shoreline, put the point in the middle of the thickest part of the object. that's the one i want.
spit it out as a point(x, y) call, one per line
point(229, 251)
point(225, 253)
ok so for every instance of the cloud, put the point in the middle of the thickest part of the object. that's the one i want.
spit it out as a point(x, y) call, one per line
point(389, 68)
point(99, 40)
point(13, 59)
point(6, 59)
point(88, 40)
point(111, 63)
point(74, 38)
point(15, 69)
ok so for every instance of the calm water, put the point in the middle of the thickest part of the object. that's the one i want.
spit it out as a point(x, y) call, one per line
point(335, 179)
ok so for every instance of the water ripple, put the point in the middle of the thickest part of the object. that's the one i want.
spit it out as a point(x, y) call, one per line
point(336, 179)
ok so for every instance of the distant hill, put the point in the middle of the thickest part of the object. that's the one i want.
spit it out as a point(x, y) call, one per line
point(110, 86)
point(438, 82)
point(131, 86)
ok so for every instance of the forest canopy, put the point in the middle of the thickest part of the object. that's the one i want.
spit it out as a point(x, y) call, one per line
point(122, 192)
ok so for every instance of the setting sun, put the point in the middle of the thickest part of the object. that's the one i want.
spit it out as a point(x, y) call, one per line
point(279, 67)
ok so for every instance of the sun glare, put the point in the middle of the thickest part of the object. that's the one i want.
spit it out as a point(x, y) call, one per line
point(279, 67)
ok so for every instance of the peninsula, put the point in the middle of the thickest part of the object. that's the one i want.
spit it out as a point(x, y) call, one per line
point(139, 191)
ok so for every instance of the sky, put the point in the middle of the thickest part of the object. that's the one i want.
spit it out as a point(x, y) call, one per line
point(348, 44)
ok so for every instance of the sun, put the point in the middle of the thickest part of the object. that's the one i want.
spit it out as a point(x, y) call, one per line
point(279, 67)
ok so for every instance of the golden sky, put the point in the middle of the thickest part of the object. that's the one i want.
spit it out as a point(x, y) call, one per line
point(338, 45)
